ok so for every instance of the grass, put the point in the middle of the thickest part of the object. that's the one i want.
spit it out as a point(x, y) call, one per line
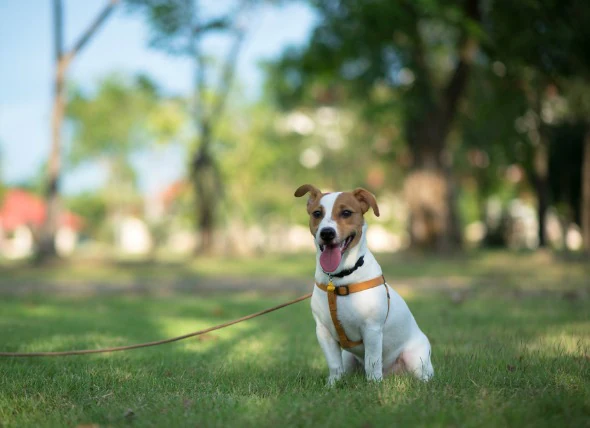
point(508, 270)
point(501, 357)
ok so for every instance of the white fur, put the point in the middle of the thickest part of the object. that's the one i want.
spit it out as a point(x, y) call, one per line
point(388, 344)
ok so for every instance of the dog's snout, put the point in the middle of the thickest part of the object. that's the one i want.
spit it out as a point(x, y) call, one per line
point(327, 234)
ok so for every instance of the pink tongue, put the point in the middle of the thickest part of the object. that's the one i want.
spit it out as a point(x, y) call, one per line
point(330, 258)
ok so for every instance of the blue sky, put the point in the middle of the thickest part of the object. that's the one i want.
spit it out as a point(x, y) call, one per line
point(26, 67)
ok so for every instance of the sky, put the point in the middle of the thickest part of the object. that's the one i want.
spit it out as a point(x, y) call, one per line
point(121, 45)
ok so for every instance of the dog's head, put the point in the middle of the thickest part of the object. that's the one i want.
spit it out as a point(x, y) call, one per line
point(336, 221)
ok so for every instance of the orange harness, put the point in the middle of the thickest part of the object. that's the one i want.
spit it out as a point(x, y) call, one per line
point(345, 290)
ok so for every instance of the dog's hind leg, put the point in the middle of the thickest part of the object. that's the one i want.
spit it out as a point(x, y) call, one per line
point(350, 362)
point(416, 359)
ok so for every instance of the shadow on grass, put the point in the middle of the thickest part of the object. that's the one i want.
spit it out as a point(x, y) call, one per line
point(141, 278)
point(502, 271)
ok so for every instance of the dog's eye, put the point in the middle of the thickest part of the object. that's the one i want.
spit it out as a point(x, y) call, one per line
point(317, 214)
point(346, 213)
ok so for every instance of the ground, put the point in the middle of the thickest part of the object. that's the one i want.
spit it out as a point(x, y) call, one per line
point(510, 335)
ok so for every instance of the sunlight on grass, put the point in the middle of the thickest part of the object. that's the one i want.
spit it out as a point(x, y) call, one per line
point(559, 344)
point(90, 340)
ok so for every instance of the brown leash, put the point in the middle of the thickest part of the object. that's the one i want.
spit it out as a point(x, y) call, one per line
point(156, 343)
point(344, 290)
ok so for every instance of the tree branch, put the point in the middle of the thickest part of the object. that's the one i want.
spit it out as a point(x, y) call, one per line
point(209, 119)
point(200, 115)
point(58, 29)
point(227, 76)
point(458, 81)
point(214, 24)
point(100, 19)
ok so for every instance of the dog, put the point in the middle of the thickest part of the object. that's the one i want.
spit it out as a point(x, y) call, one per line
point(361, 322)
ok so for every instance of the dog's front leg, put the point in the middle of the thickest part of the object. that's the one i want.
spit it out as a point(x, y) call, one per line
point(373, 340)
point(332, 352)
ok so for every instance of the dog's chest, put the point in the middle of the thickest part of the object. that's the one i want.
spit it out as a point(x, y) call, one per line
point(353, 311)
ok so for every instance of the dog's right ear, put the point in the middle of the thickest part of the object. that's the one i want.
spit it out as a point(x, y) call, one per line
point(308, 188)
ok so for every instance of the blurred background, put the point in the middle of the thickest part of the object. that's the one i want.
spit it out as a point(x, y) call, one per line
point(150, 129)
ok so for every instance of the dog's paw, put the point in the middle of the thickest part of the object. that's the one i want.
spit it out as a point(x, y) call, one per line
point(332, 380)
point(374, 377)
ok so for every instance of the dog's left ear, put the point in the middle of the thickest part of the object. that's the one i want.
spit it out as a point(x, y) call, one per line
point(312, 190)
point(308, 188)
point(366, 199)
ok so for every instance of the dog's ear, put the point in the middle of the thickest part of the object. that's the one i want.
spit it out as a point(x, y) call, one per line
point(308, 188)
point(366, 199)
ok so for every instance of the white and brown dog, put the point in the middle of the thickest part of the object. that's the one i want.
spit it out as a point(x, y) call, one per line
point(360, 320)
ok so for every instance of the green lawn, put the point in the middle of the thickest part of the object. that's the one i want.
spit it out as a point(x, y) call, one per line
point(512, 350)
point(507, 270)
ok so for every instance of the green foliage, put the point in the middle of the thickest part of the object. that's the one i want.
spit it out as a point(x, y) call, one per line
point(490, 136)
point(556, 42)
point(264, 155)
point(123, 116)
point(92, 207)
point(111, 123)
point(359, 46)
point(551, 65)
point(174, 23)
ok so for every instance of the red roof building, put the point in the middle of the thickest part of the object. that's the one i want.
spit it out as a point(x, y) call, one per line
point(24, 208)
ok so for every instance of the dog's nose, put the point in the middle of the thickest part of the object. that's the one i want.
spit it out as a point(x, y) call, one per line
point(327, 234)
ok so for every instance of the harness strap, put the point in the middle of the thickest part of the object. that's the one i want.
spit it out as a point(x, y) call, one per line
point(345, 290)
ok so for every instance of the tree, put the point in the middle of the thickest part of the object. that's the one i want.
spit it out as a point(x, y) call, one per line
point(421, 53)
point(46, 248)
point(180, 27)
point(553, 48)
point(491, 145)
point(123, 116)
point(574, 125)
point(585, 202)
point(92, 207)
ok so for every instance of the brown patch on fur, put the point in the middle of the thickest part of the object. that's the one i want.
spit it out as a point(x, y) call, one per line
point(366, 199)
point(315, 193)
point(314, 223)
point(357, 202)
point(313, 204)
point(352, 224)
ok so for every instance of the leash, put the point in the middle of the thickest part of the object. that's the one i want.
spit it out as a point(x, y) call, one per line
point(156, 343)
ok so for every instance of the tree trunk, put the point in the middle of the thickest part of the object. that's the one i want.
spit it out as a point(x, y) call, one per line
point(541, 180)
point(47, 248)
point(205, 176)
point(208, 192)
point(585, 208)
point(429, 189)
point(542, 190)
point(430, 194)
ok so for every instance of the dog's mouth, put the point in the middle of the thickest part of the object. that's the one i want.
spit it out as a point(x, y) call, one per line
point(342, 245)
point(331, 254)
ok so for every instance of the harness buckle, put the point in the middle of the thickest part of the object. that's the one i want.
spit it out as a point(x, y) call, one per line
point(345, 290)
